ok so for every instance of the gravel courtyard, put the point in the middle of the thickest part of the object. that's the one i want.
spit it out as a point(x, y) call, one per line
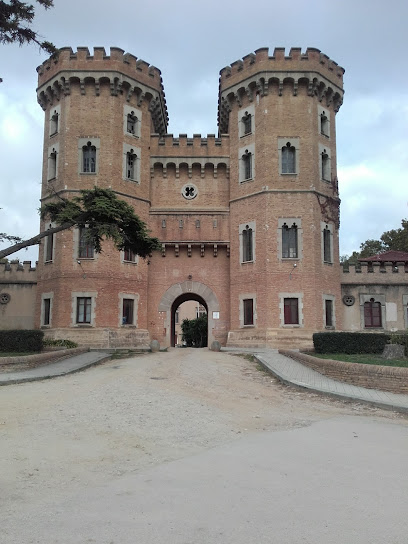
point(193, 446)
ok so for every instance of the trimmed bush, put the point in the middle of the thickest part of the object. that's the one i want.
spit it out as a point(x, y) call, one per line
point(350, 342)
point(401, 338)
point(49, 342)
point(21, 341)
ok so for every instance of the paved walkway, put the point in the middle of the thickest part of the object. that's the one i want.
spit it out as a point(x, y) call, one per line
point(285, 369)
point(291, 372)
point(60, 368)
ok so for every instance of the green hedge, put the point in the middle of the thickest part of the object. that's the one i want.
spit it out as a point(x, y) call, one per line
point(21, 340)
point(350, 342)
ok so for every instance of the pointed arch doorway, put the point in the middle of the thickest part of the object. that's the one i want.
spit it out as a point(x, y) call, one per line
point(181, 292)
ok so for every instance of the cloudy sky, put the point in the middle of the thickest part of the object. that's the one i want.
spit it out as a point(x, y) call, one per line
point(190, 41)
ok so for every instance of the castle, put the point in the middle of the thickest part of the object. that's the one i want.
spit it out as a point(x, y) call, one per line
point(248, 220)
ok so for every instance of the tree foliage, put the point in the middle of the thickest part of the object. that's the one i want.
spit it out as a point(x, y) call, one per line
point(15, 20)
point(395, 239)
point(195, 331)
point(104, 215)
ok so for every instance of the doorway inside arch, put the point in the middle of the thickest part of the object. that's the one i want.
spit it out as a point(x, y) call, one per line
point(186, 306)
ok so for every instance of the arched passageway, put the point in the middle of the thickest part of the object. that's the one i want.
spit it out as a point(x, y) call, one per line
point(174, 308)
point(181, 292)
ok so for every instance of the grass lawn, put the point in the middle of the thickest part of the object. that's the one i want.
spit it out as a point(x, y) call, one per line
point(17, 353)
point(366, 358)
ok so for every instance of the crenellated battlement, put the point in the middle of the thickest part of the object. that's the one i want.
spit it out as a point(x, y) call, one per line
point(126, 75)
point(258, 74)
point(17, 272)
point(375, 273)
point(196, 142)
point(167, 150)
point(83, 60)
point(313, 60)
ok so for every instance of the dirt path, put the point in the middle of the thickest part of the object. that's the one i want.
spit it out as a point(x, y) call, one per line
point(122, 416)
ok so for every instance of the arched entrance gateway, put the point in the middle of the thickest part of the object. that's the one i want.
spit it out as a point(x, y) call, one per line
point(182, 292)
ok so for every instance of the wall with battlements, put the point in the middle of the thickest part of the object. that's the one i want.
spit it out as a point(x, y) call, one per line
point(18, 289)
point(220, 204)
point(386, 285)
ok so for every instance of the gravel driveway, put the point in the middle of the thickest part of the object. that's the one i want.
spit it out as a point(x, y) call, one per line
point(61, 437)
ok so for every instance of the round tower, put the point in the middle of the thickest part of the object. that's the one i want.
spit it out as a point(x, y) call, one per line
point(99, 113)
point(279, 112)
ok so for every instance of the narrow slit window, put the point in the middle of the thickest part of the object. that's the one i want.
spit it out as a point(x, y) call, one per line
point(247, 245)
point(248, 311)
point(247, 161)
point(132, 123)
point(131, 159)
point(247, 122)
point(327, 245)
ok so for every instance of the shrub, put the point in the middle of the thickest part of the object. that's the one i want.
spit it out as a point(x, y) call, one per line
point(349, 342)
point(21, 341)
point(195, 331)
point(401, 338)
point(49, 342)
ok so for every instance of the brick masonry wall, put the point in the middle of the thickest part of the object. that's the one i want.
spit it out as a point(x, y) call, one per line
point(385, 378)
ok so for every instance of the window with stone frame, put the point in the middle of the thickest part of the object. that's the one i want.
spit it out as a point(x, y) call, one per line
point(247, 162)
point(288, 159)
point(291, 311)
point(372, 314)
point(290, 241)
point(46, 311)
point(247, 245)
point(328, 307)
point(248, 311)
point(54, 120)
point(324, 124)
point(128, 311)
point(325, 162)
point(131, 159)
point(86, 249)
point(247, 123)
point(129, 256)
point(327, 247)
point(49, 247)
point(83, 310)
point(132, 122)
point(88, 158)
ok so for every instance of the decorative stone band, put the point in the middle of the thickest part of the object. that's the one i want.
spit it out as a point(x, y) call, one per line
point(266, 82)
point(188, 247)
point(178, 162)
point(60, 85)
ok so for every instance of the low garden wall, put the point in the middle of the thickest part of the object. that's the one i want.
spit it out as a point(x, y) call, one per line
point(38, 359)
point(385, 378)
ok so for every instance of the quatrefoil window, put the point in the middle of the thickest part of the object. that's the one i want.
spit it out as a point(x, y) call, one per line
point(4, 298)
point(189, 191)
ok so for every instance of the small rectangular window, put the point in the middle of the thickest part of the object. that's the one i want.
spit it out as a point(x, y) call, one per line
point(247, 121)
point(291, 311)
point(248, 311)
point(129, 256)
point(329, 312)
point(127, 315)
point(84, 305)
point(47, 311)
point(163, 223)
point(197, 223)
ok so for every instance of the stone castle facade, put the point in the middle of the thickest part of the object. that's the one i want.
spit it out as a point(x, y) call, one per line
point(248, 219)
